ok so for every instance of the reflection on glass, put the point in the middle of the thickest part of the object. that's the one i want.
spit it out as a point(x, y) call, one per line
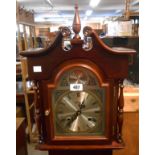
point(88, 44)
point(21, 29)
point(66, 45)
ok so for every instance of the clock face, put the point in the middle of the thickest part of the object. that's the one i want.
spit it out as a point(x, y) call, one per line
point(79, 112)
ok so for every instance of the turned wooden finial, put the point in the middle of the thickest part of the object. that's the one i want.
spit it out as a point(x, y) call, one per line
point(76, 23)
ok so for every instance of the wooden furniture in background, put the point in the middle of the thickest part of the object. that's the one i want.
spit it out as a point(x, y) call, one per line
point(29, 100)
point(25, 34)
point(26, 37)
point(21, 143)
point(25, 98)
point(20, 103)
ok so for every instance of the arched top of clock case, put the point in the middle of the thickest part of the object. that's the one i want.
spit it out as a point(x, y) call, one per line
point(113, 62)
point(84, 66)
point(57, 42)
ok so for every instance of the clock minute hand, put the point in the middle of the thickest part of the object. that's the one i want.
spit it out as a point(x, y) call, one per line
point(82, 105)
point(84, 96)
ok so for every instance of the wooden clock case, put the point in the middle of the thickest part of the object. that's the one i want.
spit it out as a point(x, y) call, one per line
point(110, 66)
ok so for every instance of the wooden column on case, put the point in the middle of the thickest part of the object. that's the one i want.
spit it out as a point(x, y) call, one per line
point(38, 112)
point(120, 111)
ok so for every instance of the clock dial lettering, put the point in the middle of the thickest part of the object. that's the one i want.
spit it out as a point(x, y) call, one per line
point(90, 124)
point(92, 119)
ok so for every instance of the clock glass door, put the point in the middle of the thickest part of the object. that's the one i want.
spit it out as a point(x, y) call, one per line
point(78, 104)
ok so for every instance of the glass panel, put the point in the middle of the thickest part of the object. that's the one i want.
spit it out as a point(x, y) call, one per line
point(21, 28)
point(79, 112)
point(66, 45)
point(78, 75)
point(88, 44)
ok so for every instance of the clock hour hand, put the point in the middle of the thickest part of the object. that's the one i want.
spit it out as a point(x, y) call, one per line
point(73, 117)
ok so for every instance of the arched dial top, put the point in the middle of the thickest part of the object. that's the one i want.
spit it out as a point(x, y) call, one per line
point(78, 75)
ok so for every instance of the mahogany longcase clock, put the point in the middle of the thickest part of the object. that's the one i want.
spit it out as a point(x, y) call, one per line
point(79, 88)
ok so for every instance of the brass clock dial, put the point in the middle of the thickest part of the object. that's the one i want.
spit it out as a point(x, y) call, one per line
point(78, 104)
point(78, 112)
point(78, 76)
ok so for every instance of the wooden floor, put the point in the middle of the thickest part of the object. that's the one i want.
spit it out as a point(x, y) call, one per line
point(130, 134)
point(32, 151)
